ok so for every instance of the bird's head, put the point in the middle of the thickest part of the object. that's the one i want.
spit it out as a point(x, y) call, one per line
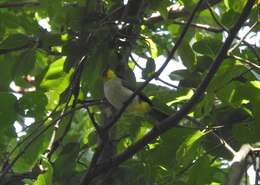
point(109, 74)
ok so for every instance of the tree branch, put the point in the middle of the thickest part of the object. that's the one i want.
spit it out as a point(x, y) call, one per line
point(251, 64)
point(238, 165)
point(175, 118)
point(176, 11)
point(19, 4)
point(201, 26)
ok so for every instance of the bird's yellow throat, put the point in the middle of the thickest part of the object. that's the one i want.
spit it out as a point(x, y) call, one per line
point(109, 74)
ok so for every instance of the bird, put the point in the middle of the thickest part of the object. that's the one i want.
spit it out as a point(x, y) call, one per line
point(117, 91)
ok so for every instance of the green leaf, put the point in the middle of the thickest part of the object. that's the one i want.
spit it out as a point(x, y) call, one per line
point(246, 132)
point(179, 74)
point(55, 78)
point(65, 163)
point(236, 5)
point(229, 72)
point(153, 48)
point(186, 78)
point(7, 112)
point(174, 29)
point(229, 18)
point(206, 105)
point(149, 69)
point(201, 172)
point(187, 55)
point(15, 41)
point(181, 96)
point(203, 63)
point(207, 46)
point(92, 73)
point(188, 3)
point(189, 149)
point(33, 104)
point(25, 63)
point(163, 154)
point(7, 63)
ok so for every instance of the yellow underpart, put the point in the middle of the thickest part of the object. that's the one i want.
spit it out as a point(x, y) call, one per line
point(142, 107)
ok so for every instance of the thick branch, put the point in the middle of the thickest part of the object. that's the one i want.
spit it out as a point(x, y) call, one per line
point(238, 165)
point(174, 119)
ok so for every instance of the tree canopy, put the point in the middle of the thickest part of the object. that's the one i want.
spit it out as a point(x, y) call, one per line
point(56, 126)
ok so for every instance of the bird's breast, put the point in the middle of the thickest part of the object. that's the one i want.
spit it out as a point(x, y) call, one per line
point(116, 93)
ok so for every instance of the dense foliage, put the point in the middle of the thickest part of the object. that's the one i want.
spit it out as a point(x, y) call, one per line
point(56, 128)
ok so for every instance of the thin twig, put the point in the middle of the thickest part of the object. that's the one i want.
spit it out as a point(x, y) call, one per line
point(242, 38)
point(201, 26)
point(167, 83)
point(94, 122)
point(251, 64)
point(135, 62)
point(158, 78)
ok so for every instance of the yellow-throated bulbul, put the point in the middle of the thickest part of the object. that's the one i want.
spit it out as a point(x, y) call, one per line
point(117, 92)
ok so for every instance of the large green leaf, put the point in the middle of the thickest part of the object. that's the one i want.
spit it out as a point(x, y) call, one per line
point(64, 166)
point(189, 149)
point(55, 79)
point(25, 62)
point(207, 46)
point(7, 63)
point(32, 104)
point(7, 112)
point(229, 18)
point(186, 78)
point(202, 172)
point(229, 72)
point(187, 55)
point(164, 154)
